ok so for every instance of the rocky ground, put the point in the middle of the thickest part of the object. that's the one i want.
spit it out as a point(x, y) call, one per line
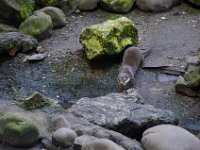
point(66, 76)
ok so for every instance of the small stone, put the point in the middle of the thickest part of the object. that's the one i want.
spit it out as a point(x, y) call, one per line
point(36, 57)
point(101, 144)
point(168, 137)
point(81, 140)
point(59, 122)
point(64, 137)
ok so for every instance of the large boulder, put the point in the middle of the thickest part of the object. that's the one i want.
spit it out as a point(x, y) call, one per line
point(39, 25)
point(15, 11)
point(109, 38)
point(194, 2)
point(168, 137)
point(119, 6)
point(87, 5)
point(18, 131)
point(12, 42)
point(57, 16)
point(156, 5)
point(122, 112)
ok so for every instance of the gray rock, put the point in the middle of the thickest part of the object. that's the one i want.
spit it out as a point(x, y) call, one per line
point(182, 87)
point(168, 137)
point(119, 112)
point(57, 16)
point(193, 60)
point(119, 6)
point(68, 6)
point(101, 144)
point(63, 137)
point(59, 122)
point(87, 5)
point(83, 127)
point(39, 25)
point(36, 57)
point(81, 140)
point(12, 42)
point(156, 5)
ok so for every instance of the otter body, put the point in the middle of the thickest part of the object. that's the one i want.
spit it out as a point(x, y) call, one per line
point(132, 59)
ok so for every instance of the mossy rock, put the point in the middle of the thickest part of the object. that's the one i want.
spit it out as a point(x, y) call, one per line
point(109, 38)
point(119, 6)
point(194, 2)
point(36, 101)
point(192, 78)
point(18, 131)
point(39, 25)
point(47, 2)
point(16, 11)
point(57, 16)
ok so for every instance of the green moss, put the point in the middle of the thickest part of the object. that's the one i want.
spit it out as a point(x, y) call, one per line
point(176, 120)
point(18, 126)
point(120, 4)
point(114, 17)
point(36, 101)
point(26, 8)
point(191, 10)
point(196, 2)
point(109, 38)
point(192, 78)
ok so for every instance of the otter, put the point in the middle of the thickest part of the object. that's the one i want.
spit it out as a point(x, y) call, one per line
point(132, 59)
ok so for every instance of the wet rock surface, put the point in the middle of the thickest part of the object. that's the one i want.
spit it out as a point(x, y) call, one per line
point(13, 42)
point(121, 113)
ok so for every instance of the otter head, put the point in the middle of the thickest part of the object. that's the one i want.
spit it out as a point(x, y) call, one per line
point(123, 79)
point(125, 75)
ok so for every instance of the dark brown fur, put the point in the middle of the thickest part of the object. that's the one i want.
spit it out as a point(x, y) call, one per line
point(132, 59)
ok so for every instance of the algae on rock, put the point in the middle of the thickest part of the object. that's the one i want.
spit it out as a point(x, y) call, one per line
point(119, 6)
point(36, 101)
point(38, 25)
point(109, 38)
point(17, 131)
point(15, 11)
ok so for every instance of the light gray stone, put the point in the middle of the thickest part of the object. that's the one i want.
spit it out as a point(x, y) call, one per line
point(168, 137)
point(36, 57)
point(63, 137)
point(59, 122)
point(156, 5)
point(101, 144)
point(120, 112)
